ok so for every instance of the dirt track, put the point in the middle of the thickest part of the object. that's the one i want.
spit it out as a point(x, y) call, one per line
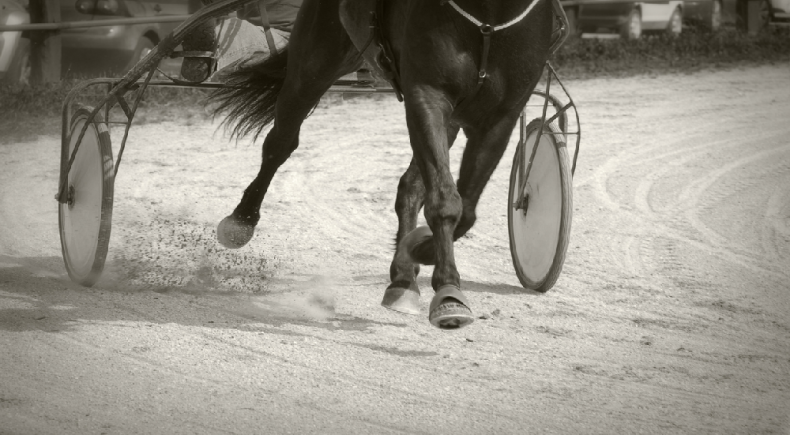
point(672, 314)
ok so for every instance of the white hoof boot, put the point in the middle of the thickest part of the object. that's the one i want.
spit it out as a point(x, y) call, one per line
point(232, 234)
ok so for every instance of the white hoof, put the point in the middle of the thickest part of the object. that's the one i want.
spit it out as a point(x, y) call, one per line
point(232, 234)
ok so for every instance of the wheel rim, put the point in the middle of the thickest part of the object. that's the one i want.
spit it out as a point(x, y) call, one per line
point(535, 233)
point(84, 223)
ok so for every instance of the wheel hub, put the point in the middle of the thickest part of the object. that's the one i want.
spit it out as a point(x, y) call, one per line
point(70, 197)
point(522, 204)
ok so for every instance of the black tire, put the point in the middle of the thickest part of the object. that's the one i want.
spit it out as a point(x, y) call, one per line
point(632, 28)
point(539, 235)
point(85, 220)
point(19, 70)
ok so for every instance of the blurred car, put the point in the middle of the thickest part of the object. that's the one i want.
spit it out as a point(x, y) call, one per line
point(780, 12)
point(93, 50)
point(709, 14)
point(630, 18)
point(14, 49)
point(114, 48)
point(712, 14)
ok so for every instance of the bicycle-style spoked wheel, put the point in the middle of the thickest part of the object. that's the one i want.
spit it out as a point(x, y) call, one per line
point(540, 225)
point(85, 219)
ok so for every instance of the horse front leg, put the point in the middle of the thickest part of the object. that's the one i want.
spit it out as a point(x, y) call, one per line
point(403, 293)
point(428, 118)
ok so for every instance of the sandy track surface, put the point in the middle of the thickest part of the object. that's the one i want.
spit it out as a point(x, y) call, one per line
point(672, 314)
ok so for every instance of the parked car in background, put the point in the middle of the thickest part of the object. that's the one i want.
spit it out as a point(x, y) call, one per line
point(91, 51)
point(628, 17)
point(114, 49)
point(14, 49)
point(780, 12)
point(769, 12)
point(708, 14)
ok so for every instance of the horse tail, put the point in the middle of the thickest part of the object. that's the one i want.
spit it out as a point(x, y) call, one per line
point(250, 94)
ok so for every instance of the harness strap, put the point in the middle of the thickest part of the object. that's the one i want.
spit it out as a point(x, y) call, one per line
point(486, 31)
point(267, 28)
point(478, 23)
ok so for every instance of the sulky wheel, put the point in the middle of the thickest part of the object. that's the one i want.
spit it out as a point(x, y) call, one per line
point(85, 218)
point(539, 225)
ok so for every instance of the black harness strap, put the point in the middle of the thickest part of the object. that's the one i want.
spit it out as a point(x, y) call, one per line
point(486, 30)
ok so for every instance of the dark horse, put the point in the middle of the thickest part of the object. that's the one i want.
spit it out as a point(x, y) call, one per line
point(450, 78)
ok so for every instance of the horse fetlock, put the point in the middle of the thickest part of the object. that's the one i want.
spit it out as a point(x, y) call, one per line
point(233, 234)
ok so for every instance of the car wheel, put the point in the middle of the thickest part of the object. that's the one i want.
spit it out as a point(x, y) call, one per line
point(675, 24)
point(144, 46)
point(714, 22)
point(632, 28)
point(19, 70)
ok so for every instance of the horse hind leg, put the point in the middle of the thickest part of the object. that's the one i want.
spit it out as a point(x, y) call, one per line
point(315, 61)
point(403, 294)
point(237, 229)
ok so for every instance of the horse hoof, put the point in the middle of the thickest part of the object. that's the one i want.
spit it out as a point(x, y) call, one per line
point(403, 300)
point(418, 243)
point(449, 309)
point(232, 234)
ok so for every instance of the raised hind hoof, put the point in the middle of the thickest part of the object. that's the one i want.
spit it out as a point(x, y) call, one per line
point(232, 234)
point(403, 300)
point(449, 309)
point(418, 243)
